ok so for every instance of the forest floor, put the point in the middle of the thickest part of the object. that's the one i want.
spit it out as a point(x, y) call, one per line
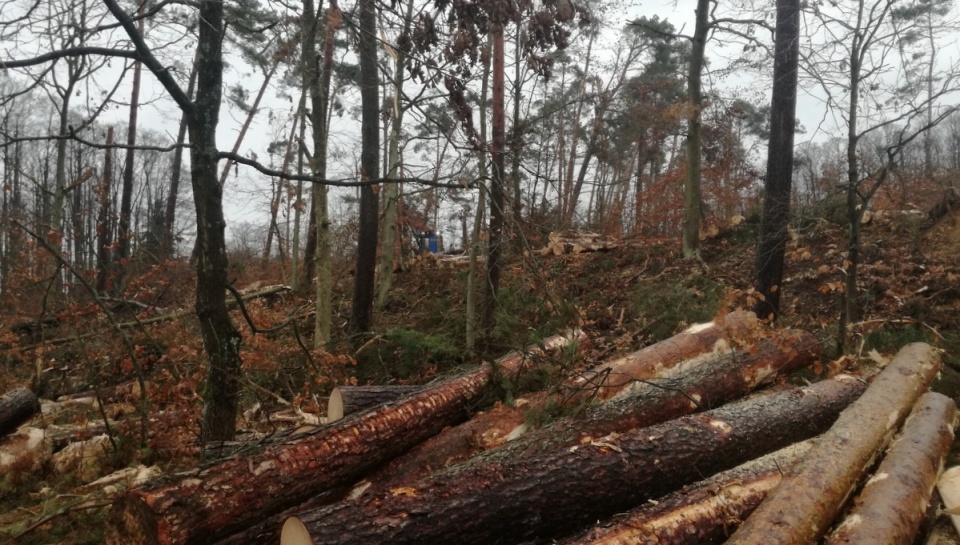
point(637, 292)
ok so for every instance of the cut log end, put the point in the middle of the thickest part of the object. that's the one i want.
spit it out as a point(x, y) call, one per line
point(130, 522)
point(16, 407)
point(335, 406)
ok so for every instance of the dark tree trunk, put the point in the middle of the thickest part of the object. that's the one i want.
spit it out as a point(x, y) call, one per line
point(221, 340)
point(104, 240)
point(363, 291)
point(692, 198)
point(559, 490)
point(776, 203)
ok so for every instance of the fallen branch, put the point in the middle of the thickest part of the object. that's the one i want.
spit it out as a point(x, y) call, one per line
point(270, 290)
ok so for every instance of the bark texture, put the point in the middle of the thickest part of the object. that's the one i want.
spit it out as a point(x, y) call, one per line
point(716, 337)
point(204, 504)
point(892, 505)
point(702, 513)
point(806, 503)
point(345, 400)
point(693, 355)
point(545, 495)
point(16, 407)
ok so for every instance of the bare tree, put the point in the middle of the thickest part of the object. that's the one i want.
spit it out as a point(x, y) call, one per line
point(856, 54)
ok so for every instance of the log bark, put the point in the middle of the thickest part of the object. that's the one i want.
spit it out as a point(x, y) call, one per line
point(892, 505)
point(801, 510)
point(555, 492)
point(701, 513)
point(694, 385)
point(16, 407)
point(345, 400)
point(707, 346)
point(204, 504)
point(712, 338)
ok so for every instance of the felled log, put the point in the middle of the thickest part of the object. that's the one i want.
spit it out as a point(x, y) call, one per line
point(16, 407)
point(706, 340)
point(201, 505)
point(555, 492)
point(346, 400)
point(802, 508)
point(572, 242)
point(706, 345)
point(699, 514)
point(693, 386)
point(892, 504)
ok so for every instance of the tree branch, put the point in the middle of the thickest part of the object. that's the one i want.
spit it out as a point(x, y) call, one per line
point(146, 56)
point(69, 52)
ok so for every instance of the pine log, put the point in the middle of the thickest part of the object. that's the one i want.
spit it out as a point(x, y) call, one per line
point(204, 504)
point(16, 407)
point(707, 381)
point(707, 345)
point(346, 400)
point(892, 504)
point(699, 514)
point(704, 340)
point(694, 385)
point(555, 492)
point(802, 508)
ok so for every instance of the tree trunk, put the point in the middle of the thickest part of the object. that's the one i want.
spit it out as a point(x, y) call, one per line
point(893, 503)
point(170, 207)
point(363, 290)
point(126, 189)
point(812, 494)
point(495, 243)
point(668, 392)
point(692, 198)
point(346, 400)
point(392, 199)
point(254, 108)
point(16, 407)
point(104, 242)
point(548, 494)
point(476, 245)
point(776, 201)
point(221, 340)
point(701, 513)
point(191, 508)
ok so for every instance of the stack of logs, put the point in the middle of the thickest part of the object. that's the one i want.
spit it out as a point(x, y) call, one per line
point(669, 444)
